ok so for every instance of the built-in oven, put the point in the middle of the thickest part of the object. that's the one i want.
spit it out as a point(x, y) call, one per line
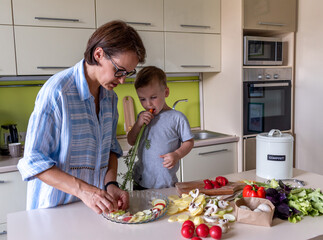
point(266, 100)
point(267, 105)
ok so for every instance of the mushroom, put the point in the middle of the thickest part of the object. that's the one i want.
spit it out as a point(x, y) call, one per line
point(211, 219)
point(223, 224)
point(194, 194)
point(211, 207)
point(223, 204)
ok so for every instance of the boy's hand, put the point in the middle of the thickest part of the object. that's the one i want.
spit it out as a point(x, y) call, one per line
point(170, 159)
point(145, 118)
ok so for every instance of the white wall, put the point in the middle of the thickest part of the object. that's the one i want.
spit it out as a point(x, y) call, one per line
point(309, 87)
point(222, 91)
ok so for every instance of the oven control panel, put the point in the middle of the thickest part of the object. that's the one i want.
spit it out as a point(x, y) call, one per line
point(266, 74)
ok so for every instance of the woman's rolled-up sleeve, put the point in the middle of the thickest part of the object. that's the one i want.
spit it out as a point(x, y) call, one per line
point(41, 143)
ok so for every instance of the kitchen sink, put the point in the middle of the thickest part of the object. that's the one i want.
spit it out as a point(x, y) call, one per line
point(204, 134)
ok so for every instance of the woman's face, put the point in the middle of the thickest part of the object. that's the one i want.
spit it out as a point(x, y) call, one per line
point(107, 67)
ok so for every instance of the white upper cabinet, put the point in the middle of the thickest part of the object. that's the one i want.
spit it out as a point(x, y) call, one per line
point(277, 15)
point(192, 52)
point(154, 44)
point(7, 50)
point(5, 12)
point(45, 51)
point(58, 13)
point(141, 14)
point(192, 16)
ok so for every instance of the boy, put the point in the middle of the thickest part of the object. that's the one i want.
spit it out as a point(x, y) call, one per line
point(167, 137)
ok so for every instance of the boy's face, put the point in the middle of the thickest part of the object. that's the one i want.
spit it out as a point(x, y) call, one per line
point(153, 96)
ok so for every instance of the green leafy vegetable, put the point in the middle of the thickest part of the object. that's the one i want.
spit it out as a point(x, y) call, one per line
point(130, 160)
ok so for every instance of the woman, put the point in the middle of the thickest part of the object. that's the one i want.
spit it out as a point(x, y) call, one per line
point(71, 148)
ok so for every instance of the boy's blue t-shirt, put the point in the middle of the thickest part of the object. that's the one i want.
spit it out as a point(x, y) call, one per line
point(164, 134)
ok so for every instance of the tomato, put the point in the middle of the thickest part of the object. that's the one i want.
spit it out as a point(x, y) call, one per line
point(188, 223)
point(216, 232)
point(196, 238)
point(187, 231)
point(202, 230)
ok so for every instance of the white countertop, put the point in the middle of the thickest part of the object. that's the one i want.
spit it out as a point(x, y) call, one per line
point(8, 164)
point(76, 221)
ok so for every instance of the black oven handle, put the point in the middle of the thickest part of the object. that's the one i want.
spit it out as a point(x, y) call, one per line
point(270, 84)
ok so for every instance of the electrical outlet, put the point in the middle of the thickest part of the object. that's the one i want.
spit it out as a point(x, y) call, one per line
point(22, 136)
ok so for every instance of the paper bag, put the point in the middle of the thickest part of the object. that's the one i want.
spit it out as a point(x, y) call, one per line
point(251, 217)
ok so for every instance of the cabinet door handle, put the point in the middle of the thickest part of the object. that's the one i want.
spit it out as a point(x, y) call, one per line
point(195, 26)
point(58, 19)
point(4, 232)
point(216, 151)
point(272, 24)
point(140, 23)
point(51, 67)
point(2, 181)
point(189, 66)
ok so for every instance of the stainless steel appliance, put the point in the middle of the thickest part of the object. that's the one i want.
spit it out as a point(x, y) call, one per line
point(266, 105)
point(262, 51)
point(266, 100)
point(8, 134)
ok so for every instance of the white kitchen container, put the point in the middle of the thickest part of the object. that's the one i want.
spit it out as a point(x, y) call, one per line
point(274, 155)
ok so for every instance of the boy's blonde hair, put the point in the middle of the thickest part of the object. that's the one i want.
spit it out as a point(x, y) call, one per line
point(148, 74)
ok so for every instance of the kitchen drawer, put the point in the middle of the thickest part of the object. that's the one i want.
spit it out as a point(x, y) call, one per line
point(192, 16)
point(57, 13)
point(7, 50)
point(209, 162)
point(192, 52)
point(45, 51)
point(141, 14)
point(13, 192)
point(5, 12)
point(154, 44)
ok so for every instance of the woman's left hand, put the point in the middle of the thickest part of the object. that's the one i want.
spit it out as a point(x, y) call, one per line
point(121, 196)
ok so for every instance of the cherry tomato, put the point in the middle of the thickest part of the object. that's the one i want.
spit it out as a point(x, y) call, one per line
point(188, 223)
point(196, 238)
point(187, 231)
point(216, 232)
point(202, 230)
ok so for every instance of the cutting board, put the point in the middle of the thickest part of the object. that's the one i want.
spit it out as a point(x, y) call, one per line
point(230, 188)
point(129, 113)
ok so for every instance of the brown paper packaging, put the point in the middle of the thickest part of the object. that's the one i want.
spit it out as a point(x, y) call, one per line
point(251, 217)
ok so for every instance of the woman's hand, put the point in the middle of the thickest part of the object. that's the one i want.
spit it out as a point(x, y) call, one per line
point(121, 196)
point(170, 159)
point(98, 200)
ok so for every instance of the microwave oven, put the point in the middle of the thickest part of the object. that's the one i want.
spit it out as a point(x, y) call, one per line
point(265, 51)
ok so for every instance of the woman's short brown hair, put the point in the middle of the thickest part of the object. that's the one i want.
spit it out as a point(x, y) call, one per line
point(148, 74)
point(114, 38)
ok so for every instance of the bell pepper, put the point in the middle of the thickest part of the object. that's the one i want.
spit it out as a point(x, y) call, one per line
point(222, 181)
point(207, 184)
point(253, 191)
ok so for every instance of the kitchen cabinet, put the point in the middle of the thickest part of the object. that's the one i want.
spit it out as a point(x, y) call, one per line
point(141, 14)
point(58, 13)
point(7, 50)
point(192, 16)
point(209, 162)
point(154, 44)
point(13, 192)
point(274, 15)
point(192, 52)
point(5, 12)
point(45, 51)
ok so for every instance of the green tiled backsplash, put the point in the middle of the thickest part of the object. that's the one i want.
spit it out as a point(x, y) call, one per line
point(17, 103)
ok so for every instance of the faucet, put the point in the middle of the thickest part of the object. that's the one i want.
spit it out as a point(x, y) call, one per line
point(180, 100)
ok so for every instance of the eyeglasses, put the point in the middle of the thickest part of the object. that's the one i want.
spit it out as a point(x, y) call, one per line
point(120, 72)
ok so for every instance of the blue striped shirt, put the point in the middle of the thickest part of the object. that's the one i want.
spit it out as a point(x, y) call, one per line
point(65, 131)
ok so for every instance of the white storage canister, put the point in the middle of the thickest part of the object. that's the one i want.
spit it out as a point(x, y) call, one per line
point(274, 155)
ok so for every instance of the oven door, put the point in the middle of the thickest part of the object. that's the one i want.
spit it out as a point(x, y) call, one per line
point(266, 106)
